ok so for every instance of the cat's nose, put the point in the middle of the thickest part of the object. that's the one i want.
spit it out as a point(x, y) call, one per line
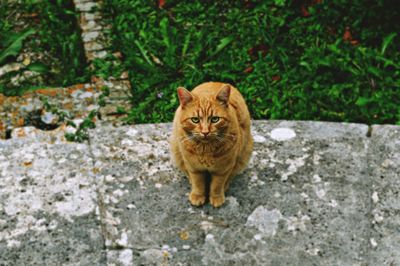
point(205, 133)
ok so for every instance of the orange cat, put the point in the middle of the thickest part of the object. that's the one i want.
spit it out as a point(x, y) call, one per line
point(211, 136)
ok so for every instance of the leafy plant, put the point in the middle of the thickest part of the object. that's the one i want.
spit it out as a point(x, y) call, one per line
point(50, 36)
point(81, 133)
point(11, 44)
point(295, 59)
point(107, 67)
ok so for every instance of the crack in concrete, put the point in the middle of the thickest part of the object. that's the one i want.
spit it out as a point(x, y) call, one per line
point(100, 201)
point(369, 132)
point(370, 177)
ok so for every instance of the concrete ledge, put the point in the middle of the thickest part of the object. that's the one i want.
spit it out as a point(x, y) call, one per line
point(314, 193)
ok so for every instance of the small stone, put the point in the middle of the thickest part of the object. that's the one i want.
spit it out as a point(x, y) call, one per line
point(333, 203)
point(259, 139)
point(86, 95)
point(282, 134)
point(186, 247)
point(375, 197)
point(123, 241)
point(124, 75)
point(118, 193)
point(257, 237)
point(10, 68)
point(93, 46)
point(70, 130)
point(131, 132)
point(386, 163)
point(77, 121)
point(28, 108)
point(90, 16)
point(131, 206)
point(209, 237)
point(91, 55)
point(264, 220)
point(295, 223)
point(109, 178)
point(126, 257)
point(313, 252)
point(90, 36)
point(12, 243)
point(316, 178)
point(92, 107)
point(320, 193)
point(90, 26)
point(2, 223)
point(86, 7)
point(127, 142)
point(378, 218)
point(304, 195)
point(49, 118)
point(206, 225)
point(373, 242)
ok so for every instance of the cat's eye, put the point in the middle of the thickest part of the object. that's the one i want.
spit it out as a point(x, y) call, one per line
point(214, 119)
point(195, 120)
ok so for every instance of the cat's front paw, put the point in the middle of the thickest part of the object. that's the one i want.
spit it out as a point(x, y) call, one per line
point(217, 201)
point(197, 200)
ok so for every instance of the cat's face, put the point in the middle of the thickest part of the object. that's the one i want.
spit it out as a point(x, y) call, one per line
point(204, 119)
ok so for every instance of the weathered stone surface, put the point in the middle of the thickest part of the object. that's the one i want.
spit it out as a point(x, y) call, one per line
point(94, 46)
point(305, 199)
point(30, 109)
point(91, 36)
point(86, 6)
point(10, 67)
point(48, 203)
point(97, 43)
point(25, 110)
point(314, 194)
point(92, 55)
point(384, 155)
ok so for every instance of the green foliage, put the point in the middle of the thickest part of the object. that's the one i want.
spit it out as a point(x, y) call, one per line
point(82, 133)
point(11, 43)
point(107, 67)
point(61, 114)
point(53, 37)
point(61, 35)
point(335, 61)
point(82, 130)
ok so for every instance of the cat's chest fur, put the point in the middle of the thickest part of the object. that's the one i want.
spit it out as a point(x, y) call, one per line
point(207, 156)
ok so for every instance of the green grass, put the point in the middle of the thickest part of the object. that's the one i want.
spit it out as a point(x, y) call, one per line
point(287, 64)
point(53, 33)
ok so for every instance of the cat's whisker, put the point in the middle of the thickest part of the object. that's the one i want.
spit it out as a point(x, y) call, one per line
point(229, 134)
point(186, 138)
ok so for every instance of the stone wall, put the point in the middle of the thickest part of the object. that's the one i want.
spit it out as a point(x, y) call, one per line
point(76, 100)
point(314, 193)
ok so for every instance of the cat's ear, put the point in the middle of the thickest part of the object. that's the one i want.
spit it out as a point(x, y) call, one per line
point(184, 96)
point(223, 94)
